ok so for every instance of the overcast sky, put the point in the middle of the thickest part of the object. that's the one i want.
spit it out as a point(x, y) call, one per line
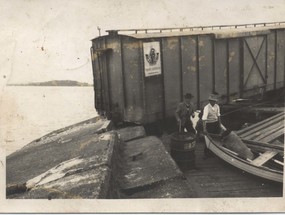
point(44, 40)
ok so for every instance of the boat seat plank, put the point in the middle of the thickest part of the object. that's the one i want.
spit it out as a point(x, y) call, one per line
point(259, 123)
point(263, 158)
point(261, 128)
point(265, 131)
point(264, 125)
point(275, 135)
point(270, 131)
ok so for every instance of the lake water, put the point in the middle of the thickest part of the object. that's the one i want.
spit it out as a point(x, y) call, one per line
point(28, 113)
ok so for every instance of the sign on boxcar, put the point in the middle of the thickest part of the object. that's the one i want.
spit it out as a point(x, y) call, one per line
point(152, 65)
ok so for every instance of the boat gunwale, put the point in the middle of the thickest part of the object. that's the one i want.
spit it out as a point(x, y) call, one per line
point(254, 168)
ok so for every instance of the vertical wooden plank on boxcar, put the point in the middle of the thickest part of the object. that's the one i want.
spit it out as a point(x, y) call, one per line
point(234, 68)
point(96, 77)
point(106, 81)
point(103, 76)
point(270, 60)
point(134, 108)
point(154, 101)
point(221, 56)
point(283, 38)
point(206, 67)
point(261, 59)
point(189, 66)
point(171, 74)
point(280, 58)
point(154, 109)
point(115, 78)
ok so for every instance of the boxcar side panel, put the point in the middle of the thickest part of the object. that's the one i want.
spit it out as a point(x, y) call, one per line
point(206, 67)
point(154, 98)
point(171, 74)
point(234, 68)
point(97, 86)
point(154, 108)
point(104, 60)
point(114, 77)
point(270, 60)
point(221, 67)
point(261, 59)
point(132, 64)
point(280, 58)
point(101, 78)
point(189, 66)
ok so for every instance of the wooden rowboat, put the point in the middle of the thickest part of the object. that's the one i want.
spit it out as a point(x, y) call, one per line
point(268, 162)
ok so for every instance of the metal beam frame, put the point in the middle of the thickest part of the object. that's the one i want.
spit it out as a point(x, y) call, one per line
point(207, 27)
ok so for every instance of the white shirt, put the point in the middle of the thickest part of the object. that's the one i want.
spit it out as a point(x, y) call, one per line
point(211, 113)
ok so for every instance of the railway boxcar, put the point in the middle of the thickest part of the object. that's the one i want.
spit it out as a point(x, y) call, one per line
point(141, 74)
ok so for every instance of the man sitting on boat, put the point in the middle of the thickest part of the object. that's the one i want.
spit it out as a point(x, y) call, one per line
point(212, 125)
point(211, 116)
point(183, 112)
point(211, 119)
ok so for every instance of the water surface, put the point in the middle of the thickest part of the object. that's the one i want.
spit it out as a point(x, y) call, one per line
point(28, 113)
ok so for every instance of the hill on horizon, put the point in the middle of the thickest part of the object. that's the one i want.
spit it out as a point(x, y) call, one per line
point(68, 83)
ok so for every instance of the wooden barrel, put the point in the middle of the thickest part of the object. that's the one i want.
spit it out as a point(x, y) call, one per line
point(182, 149)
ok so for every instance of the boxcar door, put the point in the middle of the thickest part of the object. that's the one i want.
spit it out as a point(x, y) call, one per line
point(254, 63)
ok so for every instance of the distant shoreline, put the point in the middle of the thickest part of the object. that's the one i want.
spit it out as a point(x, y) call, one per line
point(54, 83)
point(18, 85)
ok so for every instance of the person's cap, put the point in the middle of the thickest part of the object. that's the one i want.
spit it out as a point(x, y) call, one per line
point(188, 96)
point(213, 97)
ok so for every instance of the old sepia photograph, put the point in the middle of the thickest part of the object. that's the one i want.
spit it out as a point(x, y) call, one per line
point(142, 106)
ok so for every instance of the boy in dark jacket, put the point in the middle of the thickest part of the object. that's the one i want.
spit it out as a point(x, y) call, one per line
point(183, 112)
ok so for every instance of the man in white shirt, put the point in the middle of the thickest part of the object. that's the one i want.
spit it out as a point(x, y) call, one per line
point(211, 116)
point(211, 120)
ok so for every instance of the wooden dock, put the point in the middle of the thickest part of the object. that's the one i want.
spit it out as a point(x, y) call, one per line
point(214, 178)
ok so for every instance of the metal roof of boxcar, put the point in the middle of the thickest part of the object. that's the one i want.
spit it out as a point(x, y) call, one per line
point(220, 31)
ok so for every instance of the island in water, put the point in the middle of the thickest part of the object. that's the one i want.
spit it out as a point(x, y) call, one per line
point(66, 83)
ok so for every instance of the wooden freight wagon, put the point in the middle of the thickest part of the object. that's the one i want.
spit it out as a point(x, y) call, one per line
point(141, 74)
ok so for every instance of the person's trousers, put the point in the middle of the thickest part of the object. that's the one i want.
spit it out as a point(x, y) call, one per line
point(213, 127)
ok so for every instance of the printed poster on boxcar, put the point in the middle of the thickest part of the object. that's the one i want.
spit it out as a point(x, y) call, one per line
point(152, 65)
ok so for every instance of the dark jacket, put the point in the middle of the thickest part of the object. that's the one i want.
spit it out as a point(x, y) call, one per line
point(184, 112)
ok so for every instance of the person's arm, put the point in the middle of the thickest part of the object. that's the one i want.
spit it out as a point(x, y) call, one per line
point(177, 113)
point(204, 118)
point(219, 115)
point(223, 128)
point(220, 123)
